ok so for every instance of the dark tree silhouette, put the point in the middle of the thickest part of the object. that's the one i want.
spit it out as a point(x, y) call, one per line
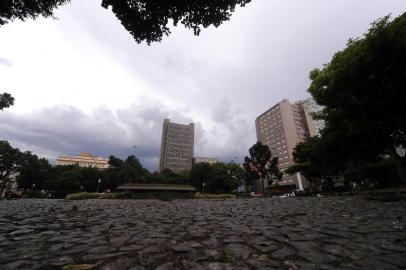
point(261, 163)
point(24, 9)
point(6, 100)
point(146, 20)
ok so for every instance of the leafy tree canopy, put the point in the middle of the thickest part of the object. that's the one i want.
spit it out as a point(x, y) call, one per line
point(362, 88)
point(6, 100)
point(10, 160)
point(216, 178)
point(146, 20)
point(362, 93)
point(260, 164)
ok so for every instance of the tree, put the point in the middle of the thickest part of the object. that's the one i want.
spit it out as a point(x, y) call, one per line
point(362, 91)
point(23, 9)
point(200, 175)
point(33, 171)
point(89, 178)
point(146, 20)
point(10, 163)
point(66, 181)
point(127, 171)
point(6, 100)
point(216, 178)
point(273, 171)
point(261, 164)
point(115, 162)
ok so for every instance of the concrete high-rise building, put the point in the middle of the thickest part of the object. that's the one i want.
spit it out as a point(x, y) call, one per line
point(177, 146)
point(281, 128)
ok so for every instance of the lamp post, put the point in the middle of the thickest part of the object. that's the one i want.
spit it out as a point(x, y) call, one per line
point(33, 186)
point(203, 186)
point(98, 185)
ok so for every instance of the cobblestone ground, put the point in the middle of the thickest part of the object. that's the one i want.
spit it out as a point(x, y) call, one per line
point(290, 233)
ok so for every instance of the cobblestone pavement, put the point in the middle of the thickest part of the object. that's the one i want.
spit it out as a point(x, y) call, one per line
point(290, 233)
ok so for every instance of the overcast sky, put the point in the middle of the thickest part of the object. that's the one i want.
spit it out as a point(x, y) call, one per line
point(82, 83)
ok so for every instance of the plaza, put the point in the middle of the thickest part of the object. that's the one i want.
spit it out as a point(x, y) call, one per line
point(290, 233)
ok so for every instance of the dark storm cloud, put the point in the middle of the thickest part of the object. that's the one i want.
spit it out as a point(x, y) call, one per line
point(67, 130)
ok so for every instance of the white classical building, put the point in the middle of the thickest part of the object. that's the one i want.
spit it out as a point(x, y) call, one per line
point(83, 160)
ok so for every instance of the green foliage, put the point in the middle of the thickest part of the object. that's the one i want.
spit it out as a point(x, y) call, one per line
point(311, 159)
point(6, 100)
point(208, 196)
point(145, 20)
point(148, 20)
point(23, 9)
point(199, 174)
point(261, 165)
point(381, 174)
point(127, 171)
point(217, 178)
point(361, 91)
point(10, 164)
point(33, 172)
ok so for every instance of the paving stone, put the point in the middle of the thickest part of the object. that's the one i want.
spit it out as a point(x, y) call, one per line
point(283, 253)
point(307, 233)
point(191, 265)
point(233, 240)
point(165, 266)
point(318, 258)
point(260, 260)
point(239, 251)
point(120, 264)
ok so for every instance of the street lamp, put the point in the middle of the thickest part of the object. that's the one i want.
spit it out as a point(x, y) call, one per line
point(98, 185)
point(33, 186)
point(203, 186)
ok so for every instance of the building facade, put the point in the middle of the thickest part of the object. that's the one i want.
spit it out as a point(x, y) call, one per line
point(281, 128)
point(83, 160)
point(204, 159)
point(177, 146)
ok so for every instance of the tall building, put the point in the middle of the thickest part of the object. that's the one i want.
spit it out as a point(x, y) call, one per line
point(177, 146)
point(281, 128)
point(83, 160)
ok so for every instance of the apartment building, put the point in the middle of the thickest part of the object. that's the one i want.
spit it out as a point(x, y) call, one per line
point(83, 160)
point(177, 146)
point(281, 128)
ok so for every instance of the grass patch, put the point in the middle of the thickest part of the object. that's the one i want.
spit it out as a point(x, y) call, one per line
point(215, 196)
point(94, 195)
